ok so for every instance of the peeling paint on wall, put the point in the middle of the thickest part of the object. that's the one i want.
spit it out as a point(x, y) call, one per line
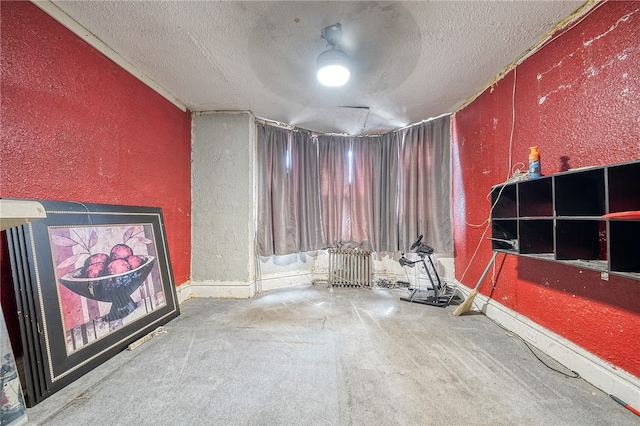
point(579, 103)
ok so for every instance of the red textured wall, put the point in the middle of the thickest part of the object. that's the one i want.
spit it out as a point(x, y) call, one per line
point(77, 127)
point(578, 100)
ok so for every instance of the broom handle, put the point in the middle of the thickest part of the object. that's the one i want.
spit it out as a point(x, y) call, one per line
point(484, 274)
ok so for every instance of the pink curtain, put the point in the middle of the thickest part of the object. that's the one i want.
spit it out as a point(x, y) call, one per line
point(358, 178)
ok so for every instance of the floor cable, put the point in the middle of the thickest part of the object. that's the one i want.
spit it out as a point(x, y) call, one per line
point(575, 374)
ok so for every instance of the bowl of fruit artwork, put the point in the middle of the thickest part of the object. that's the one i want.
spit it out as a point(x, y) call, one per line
point(111, 278)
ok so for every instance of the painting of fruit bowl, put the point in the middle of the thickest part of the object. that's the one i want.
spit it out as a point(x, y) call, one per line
point(105, 264)
point(115, 288)
point(89, 279)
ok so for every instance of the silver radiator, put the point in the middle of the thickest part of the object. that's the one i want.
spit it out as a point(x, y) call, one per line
point(349, 267)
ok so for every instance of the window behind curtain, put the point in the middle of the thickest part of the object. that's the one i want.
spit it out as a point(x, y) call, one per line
point(372, 192)
point(288, 192)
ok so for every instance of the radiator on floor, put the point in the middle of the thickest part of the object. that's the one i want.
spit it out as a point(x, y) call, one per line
point(349, 267)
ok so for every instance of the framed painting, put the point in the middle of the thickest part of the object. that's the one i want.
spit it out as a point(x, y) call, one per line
point(12, 407)
point(89, 280)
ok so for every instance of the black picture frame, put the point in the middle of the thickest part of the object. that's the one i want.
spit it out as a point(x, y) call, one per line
point(74, 315)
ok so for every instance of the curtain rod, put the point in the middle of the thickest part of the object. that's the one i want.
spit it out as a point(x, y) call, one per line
point(273, 123)
point(420, 122)
point(281, 125)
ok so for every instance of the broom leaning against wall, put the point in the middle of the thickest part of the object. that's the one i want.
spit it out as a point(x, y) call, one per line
point(466, 305)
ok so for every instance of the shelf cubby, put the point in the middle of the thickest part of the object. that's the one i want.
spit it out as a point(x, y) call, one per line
point(536, 236)
point(535, 198)
point(504, 202)
point(625, 245)
point(578, 239)
point(624, 187)
point(503, 229)
point(580, 193)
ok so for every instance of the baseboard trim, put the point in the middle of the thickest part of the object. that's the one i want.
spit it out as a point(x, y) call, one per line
point(230, 289)
point(184, 292)
point(276, 281)
point(606, 377)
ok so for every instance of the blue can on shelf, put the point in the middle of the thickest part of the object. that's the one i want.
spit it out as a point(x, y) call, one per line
point(534, 163)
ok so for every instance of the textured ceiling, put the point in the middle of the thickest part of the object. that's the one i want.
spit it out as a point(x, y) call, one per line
point(412, 60)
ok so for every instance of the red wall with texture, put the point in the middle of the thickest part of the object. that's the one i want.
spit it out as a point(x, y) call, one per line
point(75, 126)
point(578, 100)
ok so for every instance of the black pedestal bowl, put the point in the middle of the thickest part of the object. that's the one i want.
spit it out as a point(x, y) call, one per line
point(116, 289)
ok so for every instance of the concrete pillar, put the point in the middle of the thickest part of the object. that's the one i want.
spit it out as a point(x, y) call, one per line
point(223, 207)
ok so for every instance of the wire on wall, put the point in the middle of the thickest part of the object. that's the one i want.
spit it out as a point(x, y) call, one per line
point(475, 252)
point(512, 176)
point(516, 175)
point(513, 122)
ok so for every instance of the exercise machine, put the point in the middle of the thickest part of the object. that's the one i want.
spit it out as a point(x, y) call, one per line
point(435, 294)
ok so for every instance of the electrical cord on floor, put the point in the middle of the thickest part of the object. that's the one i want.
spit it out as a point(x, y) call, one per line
point(343, 283)
point(320, 281)
point(575, 375)
point(384, 283)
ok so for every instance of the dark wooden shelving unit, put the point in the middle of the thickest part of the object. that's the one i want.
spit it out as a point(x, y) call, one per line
point(560, 218)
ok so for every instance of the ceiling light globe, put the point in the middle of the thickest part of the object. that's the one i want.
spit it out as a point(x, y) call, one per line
point(333, 68)
point(333, 75)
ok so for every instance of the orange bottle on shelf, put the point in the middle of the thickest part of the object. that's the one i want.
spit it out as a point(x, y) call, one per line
point(534, 163)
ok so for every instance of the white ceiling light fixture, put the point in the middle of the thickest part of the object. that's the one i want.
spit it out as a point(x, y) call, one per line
point(333, 64)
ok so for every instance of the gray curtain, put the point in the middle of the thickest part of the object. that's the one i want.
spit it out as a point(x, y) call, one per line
point(424, 185)
point(359, 178)
point(377, 192)
point(333, 152)
point(289, 219)
point(385, 153)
